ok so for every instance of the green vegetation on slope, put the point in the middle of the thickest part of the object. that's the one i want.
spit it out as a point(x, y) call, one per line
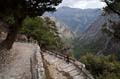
point(112, 31)
point(44, 31)
point(102, 67)
point(84, 46)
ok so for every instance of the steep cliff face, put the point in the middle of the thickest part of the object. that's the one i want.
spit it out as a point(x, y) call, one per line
point(94, 40)
point(63, 29)
point(94, 31)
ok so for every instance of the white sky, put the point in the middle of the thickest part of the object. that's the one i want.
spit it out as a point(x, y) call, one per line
point(83, 4)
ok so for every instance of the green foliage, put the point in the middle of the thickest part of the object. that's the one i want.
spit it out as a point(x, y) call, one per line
point(21, 8)
point(113, 30)
point(18, 10)
point(83, 46)
point(102, 67)
point(13, 12)
point(44, 31)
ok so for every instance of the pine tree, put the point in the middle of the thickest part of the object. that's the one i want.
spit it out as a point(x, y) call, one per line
point(17, 10)
point(113, 31)
point(113, 5)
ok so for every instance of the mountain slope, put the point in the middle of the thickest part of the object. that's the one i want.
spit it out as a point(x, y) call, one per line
point(63, 29)
point(77, 19)
point(94, 40)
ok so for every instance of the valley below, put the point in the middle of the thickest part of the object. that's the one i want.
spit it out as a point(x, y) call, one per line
point(69, 43)
point(87, 28)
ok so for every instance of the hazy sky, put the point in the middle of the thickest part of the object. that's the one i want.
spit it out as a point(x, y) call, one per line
point(82, 4)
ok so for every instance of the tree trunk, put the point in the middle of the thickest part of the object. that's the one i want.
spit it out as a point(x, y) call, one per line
point(11, 37)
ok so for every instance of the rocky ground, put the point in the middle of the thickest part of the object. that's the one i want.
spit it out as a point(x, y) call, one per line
point(60, 69)
point(44, 65)
point(19, 62)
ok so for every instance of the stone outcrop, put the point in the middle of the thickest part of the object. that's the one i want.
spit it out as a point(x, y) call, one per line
point(21, 38)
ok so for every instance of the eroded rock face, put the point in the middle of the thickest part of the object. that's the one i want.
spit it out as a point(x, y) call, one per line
point(63, 30)
point(21, 38)
point(95, 38)
point(3, 35)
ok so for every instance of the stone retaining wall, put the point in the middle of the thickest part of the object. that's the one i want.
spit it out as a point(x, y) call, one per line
point(37, 68)
point(76, 63)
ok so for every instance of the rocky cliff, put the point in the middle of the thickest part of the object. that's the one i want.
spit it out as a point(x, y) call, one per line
point(63, 30)
point(94, 39)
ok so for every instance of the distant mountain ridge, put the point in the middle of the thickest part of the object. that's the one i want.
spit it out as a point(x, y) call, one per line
point(77, 19)
point(94, 40)
point(87, 24)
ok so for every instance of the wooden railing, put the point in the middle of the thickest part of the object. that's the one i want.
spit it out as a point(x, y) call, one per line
point(75, 62)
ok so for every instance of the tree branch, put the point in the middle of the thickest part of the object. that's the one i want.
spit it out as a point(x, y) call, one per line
point(115, 11)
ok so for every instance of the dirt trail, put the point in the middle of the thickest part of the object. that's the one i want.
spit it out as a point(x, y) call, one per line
point(19, 68)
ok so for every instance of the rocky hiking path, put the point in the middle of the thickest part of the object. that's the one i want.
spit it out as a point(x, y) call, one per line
point(29, 62)
point(19, 67)
point(59, 69)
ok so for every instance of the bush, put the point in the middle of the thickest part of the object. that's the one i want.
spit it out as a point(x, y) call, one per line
point(42, 30)
point(102, 67)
